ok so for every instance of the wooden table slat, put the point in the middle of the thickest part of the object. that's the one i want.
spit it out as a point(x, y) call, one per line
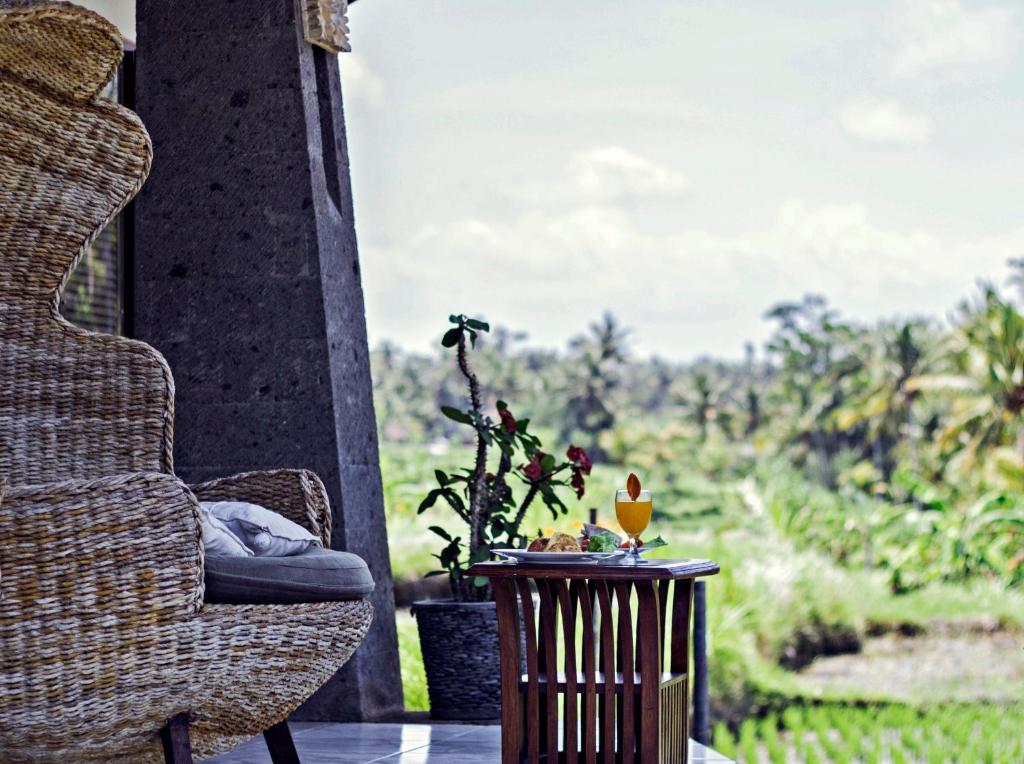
point(570, 703)
point(606, 705)
point(583, 597)
point(648, 660)
point(532, 709)
point(625, 718)
point(548, 626)
point(662, 610)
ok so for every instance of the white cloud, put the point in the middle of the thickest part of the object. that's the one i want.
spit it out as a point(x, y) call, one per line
point(944, 39)
point(885, 122)
point(602, 175)
point(549, 271)
point(358, 80)
point(612, 172)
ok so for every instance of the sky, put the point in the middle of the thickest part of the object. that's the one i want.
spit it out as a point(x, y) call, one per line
point(683, 164)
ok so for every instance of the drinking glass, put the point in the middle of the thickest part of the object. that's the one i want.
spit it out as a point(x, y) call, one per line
point(633, 516)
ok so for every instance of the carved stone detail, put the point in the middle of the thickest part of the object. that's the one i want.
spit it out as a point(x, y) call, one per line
point(325, 24)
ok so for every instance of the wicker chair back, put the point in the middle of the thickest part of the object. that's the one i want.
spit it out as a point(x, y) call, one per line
point(73, 404)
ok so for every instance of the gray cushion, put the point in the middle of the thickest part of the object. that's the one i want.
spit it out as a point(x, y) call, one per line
point(317, 575)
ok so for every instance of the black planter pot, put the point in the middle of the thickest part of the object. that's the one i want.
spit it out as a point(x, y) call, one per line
point(459, 641)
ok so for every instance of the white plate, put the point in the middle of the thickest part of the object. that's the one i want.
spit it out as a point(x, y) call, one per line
point(558, 558)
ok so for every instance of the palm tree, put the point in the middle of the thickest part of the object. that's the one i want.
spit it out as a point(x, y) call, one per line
point(596, 361)
point(751, 392)
point(703, 394)
point(814, 353)
point(988, 383)
point(883, 397)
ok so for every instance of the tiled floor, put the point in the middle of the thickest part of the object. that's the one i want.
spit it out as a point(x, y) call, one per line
point(399, 744)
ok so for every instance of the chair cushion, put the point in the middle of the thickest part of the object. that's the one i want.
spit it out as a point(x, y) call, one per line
point(318, 575)
point(265, 532)
point(218, 539)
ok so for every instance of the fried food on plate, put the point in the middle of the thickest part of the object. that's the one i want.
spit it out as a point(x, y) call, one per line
point(558, 542)
point(539, 544)
point(563, 542)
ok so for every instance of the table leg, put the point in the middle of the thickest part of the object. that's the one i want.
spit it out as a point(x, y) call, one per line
point(532, 708)
point(508, 635)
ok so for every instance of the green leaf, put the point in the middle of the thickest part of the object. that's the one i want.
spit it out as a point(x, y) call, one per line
point(450, 555)
point(435, 573)
point(442, 478)
point(453, 498)
point(451, 338)
point(501, 405)
point(453, 318)
point(472, 338)
point(441, 532)
point(547, 463)
point(428, 501)
point(474, 323)
point(480, 554)
point(479, 581)
point(603, 542)
point(456, 415)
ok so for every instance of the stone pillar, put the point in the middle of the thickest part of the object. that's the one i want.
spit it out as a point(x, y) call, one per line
point(246, 277)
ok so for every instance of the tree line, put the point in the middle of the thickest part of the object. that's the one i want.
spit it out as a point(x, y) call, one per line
point(901, 417)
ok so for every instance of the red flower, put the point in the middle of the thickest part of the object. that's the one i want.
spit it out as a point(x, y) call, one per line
point(534, 470)
point(507, 420)
point(579, 457)
point(577, 482)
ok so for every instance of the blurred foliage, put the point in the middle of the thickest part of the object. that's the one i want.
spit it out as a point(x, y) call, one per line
point(849, 479)
point(835, 732)
point(896, 447)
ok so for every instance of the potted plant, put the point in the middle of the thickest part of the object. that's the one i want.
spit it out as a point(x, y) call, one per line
point(459, 636)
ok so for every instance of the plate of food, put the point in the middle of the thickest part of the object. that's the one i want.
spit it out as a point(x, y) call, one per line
point(595, 545)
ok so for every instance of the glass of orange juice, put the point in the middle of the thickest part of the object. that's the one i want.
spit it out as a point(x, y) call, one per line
point(633, 515)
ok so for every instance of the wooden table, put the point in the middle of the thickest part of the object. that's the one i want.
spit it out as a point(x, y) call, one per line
point(630, 701)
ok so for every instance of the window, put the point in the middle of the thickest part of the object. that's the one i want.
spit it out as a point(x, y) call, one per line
point(94, 297)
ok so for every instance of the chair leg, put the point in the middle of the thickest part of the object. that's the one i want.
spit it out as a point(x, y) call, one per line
point(177, 748)
point(280, 744)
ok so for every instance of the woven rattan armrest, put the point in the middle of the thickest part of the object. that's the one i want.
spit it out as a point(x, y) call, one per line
point(124, 547)
point(299, 495)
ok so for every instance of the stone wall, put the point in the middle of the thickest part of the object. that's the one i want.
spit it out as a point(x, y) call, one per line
point(246, 277)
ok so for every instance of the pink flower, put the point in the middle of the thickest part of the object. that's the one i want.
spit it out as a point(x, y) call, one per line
point(579, 457)
point(577, 482)
point(534, 470)
point(507, 420)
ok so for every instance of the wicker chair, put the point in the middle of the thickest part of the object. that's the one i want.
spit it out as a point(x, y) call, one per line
point(104, 634)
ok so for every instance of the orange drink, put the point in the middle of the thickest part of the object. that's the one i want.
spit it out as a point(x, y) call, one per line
point(633, 511)
point(634, 516)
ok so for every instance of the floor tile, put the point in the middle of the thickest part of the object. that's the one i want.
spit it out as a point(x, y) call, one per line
point(442, 757)
point(329, 743)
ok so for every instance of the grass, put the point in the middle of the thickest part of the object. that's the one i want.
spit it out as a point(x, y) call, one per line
point(982, 600)
point(898, 733)
point(414, 680)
